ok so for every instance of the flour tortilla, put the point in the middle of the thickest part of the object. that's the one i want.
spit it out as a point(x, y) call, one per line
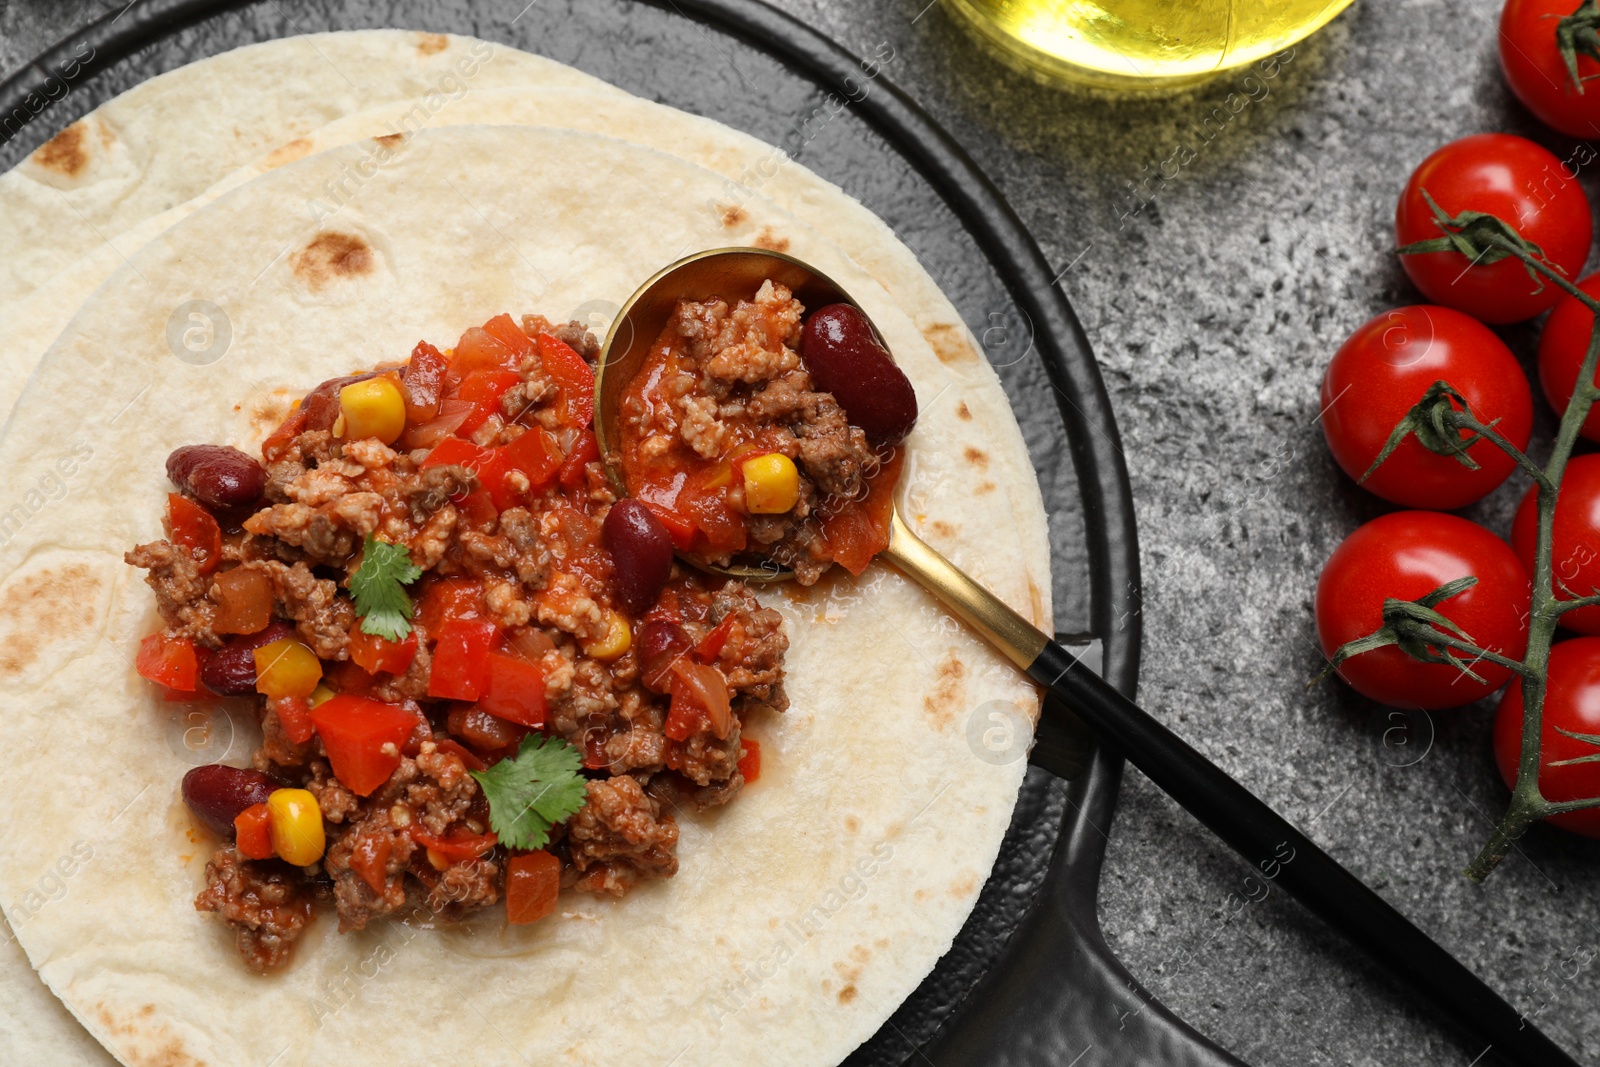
point(802, 915)
point(164, 141)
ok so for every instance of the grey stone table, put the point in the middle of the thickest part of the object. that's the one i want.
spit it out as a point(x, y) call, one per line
point(1213, 298)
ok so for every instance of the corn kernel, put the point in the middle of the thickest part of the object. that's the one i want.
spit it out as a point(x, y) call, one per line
point(321, 695)
point(373, 408)
point(617, 640)
point(771, 484)
point(287, 668)
point(295, 819)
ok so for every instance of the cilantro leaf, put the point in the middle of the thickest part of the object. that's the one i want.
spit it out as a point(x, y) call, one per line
point(533, 791)
point(378, 587)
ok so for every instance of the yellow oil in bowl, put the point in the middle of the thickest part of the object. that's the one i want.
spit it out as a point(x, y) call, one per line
point(1134, 44)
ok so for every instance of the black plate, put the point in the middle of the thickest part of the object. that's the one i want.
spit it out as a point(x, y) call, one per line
point(1029, 978)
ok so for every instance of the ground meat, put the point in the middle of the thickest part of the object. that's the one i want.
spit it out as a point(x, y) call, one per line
point(322, 617)
point(372, 844)
point(305, 452)
point(413, 684)
point(266, 903)
point(428, 492)
point(180, 590)
point(276, 749)
point(754, 342)
point(621, 838)
point(574, 335)
point(461, 888)
point(752, 657)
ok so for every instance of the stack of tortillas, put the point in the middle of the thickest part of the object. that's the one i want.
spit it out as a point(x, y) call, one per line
point(187, 258)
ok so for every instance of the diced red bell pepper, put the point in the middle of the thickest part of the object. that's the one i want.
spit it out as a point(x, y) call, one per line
point(461, 660)
point(478, 509)
point(169, 661)
point(370, 859)
point(455, 847)
point(489, 735)
point(422, 382)
point(489, 464)
point(483, 390)
point(573, 377)
point(537, 454)
point(378, 655)
point(584, 452)
point(348, 677)
point(505, 330)
point(533, 881)
point(679, 527)
point(355, 731)
point(277, 442)
point(750, 762)
point(193, 527)
point(515, 690)
point(710, 646)
point(252, 833)
point(294, 713)
point(446, 600)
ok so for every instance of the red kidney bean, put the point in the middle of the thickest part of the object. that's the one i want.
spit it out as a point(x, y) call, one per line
point(641, 550)
point(217, 793)
point(216, 475)
point(231, 671)
point(659, 643)
point(846, 359)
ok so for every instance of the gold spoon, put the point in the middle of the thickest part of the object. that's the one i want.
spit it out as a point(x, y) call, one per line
point(1264, 838)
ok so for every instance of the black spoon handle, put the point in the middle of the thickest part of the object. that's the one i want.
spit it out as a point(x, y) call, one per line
point(1263, 837)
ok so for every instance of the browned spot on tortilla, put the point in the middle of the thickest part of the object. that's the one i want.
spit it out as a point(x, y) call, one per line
point(949, 343)
point(771, 241)
point(922, 895)
point(733, 214)
point(882, 942)
point(433, 43)
point(846, 971)
point(963, 412)
point(43, 608)
point(964, 884)
point(977, 457)
point(288, 152)
point(64, 153)
point(860, 953)
point(1036, 600)
point(330, 257)
point(389, 140)
point(852, 823)
point(984, 487)
point(847, 994)
point(949, 690)
point(143, 1043)
point(942, 529)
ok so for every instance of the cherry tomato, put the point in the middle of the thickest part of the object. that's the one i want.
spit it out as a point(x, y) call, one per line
point(1575, 541)
point(1521, 184)
point(1384, 369)
point(1571, 702)
point(1561, 350)
point(1407, 555)
point(1537, 73)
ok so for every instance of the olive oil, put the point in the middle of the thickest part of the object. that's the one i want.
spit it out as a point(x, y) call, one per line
point(1130, 44)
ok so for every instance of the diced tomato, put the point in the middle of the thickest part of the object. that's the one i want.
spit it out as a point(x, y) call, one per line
point(515, 690)
point(679, 527)
point(457, 846)
point(720, 525)
point(244, 601)
point(489, 464)
point(536, 454)
point(483, 390)
point(479, 350)
point(348, 677)
point(370, 859)
point(478, 509)
point(573, 377)
point(168, 661)
point(584, 452)
point(710, 645)
point(860, 531)
point(252, 833)
point(446, 600)
point(505, 330)
point(277, 442)
point(461, 660)
point(379, 655)
point(355, 731)
point(750, 762)
point(423, 383)
point(533, 881)
point(295, 715)
point(193, 527)
point(487, 734)
point(461, 752)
